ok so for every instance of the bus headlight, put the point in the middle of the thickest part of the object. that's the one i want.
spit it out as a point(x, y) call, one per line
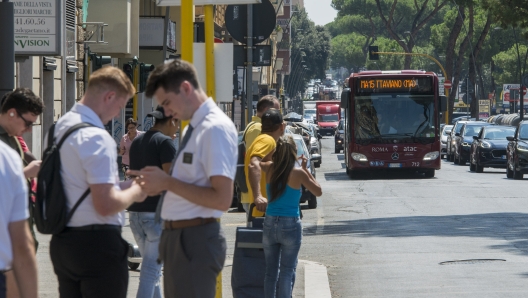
point(431, 155)
point(359, 157)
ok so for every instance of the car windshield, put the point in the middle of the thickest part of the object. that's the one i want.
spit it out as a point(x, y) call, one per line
point(447, 130)
point(472, 130)
point(458, 127)
point(300, 147)
point(498, 133)
point(329, 118)
point(523, 132)
point(381, 118)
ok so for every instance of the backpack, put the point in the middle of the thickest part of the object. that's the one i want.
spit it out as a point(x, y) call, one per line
point(240, 176)
point(51, 210)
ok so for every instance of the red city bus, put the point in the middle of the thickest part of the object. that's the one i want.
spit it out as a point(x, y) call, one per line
point(392, 121)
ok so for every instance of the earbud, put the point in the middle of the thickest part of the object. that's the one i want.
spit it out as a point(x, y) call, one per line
point(12, 114)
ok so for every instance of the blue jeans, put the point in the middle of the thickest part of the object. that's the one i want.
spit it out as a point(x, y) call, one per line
point(281, 241)
point(147, 234)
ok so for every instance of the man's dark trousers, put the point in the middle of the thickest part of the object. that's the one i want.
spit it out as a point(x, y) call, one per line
point(2, 285)
point(90, 263)
point(192, 258)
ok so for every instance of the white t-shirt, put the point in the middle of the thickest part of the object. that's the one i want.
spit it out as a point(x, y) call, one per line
point(13, 199)
point(210, 151)
point(88, 156)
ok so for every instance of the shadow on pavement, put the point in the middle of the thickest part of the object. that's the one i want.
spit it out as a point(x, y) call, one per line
point(512, 227)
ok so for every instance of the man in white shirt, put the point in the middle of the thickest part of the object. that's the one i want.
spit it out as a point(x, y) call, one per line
point(90, 256)
point(17, 250)
point(200, 186)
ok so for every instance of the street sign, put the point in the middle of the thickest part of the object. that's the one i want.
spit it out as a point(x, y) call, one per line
point(447, 84)
point(261, 55)
point(523, 90)
point(264, 21)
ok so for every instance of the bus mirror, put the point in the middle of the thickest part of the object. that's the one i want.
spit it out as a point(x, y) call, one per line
point(345, 97)
point(443, 104)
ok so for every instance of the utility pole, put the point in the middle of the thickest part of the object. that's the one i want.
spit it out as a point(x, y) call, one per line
point(7, 47)
point(249, 65)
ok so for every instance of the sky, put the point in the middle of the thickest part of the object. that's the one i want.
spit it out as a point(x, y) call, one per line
point(320, 11)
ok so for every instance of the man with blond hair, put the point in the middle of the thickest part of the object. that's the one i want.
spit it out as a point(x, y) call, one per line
point(90, 256)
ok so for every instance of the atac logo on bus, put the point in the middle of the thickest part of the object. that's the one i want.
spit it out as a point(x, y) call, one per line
point(410, 149)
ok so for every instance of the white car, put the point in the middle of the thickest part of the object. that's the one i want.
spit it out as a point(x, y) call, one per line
point(443, 139)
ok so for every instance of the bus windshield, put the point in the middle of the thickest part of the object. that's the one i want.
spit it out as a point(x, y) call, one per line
point(328, 118)
point(387, 118)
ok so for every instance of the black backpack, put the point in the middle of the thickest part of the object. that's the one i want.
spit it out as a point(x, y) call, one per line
point(240, 176)
point(51, 210)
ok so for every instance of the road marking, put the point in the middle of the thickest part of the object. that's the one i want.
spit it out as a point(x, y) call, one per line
point(316, 283)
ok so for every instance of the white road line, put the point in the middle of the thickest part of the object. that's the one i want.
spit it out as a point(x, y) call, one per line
point(316, 283)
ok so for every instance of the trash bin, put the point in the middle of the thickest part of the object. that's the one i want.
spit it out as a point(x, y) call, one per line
point(249, 264)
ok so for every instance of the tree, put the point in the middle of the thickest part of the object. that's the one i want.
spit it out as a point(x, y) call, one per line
point(509, 13)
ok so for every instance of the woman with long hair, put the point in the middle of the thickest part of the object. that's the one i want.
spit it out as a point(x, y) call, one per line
point(282, 226)
point(124, 146)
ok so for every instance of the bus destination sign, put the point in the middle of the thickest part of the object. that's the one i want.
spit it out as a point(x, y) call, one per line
point(378, 85)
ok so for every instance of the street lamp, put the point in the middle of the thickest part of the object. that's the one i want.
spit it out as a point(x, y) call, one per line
point(521, 95)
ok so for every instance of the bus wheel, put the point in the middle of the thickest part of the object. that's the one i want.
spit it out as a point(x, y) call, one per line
point(429, 173)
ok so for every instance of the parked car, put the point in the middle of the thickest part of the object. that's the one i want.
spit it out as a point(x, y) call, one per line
point(306, 195)
point(517, 152)
point(464, 139)
point(450, 149)
point(311, 137)
point(446, 130)
point(488, 149)
point(339, 136)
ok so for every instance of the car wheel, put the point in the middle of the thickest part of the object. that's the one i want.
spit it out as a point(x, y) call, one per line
point(429, 173)
point(509, 172)
point(461, 161)
point(471, 167)
point(312, 202)
point(451, 157)
point(455, 159)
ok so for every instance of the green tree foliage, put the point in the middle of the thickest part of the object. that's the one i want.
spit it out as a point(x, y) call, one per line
point(509, 13)
point(310, 47)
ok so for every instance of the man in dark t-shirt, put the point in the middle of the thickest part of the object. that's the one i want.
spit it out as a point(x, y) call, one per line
point(153, 148)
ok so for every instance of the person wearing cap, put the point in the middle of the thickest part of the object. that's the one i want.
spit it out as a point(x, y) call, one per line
point(261, 151)
point(153, 148)
point(253, 130)
point(198, 190)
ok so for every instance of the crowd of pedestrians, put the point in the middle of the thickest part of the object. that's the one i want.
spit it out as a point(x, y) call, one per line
point(175, 197)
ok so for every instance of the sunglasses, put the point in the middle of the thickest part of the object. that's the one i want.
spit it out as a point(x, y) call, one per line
point(26, 122)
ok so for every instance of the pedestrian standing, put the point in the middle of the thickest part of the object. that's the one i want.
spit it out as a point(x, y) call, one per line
point(17, 252)
point(90, 257)
point(153, 148)
point(19, 110)
point(124, 146)
point(282, 235)
point(252, 131)
point(261, 150)
point(200, 186)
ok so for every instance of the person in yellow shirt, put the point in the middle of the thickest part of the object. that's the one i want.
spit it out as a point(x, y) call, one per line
point(253, 130)
point(262, 149)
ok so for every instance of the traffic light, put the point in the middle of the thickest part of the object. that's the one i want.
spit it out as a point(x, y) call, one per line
point(128, 69)
point(99, 61)
point(372, 51)
point(144, 71)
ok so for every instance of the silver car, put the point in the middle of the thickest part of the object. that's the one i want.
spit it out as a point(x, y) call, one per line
point(446, 130)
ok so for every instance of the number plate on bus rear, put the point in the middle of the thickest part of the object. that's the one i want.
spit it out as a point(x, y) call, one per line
point(395, 165)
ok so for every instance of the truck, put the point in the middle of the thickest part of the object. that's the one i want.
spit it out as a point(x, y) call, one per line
point(327, 114)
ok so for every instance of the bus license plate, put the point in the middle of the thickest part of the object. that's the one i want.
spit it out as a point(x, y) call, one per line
point(504, 157)
point(395, 165)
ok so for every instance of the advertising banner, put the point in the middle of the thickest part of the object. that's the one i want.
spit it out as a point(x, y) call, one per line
point(38, 27)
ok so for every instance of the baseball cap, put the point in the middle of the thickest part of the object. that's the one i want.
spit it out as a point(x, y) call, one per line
point(270, 120)
point(159, 113)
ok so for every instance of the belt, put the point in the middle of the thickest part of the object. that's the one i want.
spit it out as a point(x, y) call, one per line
point(187, 223)
point(94, 228)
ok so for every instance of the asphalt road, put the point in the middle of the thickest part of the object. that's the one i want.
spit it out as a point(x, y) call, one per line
point(388, 235)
